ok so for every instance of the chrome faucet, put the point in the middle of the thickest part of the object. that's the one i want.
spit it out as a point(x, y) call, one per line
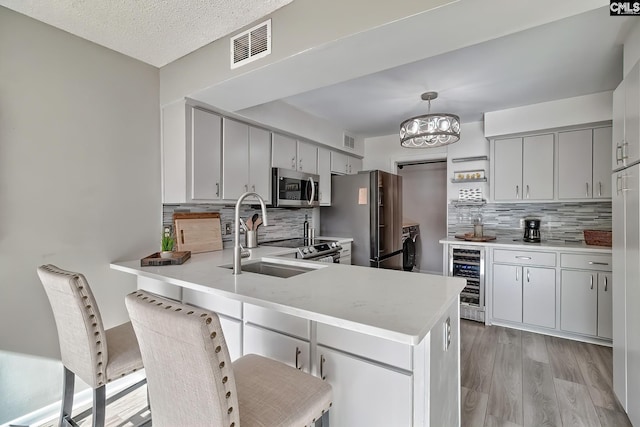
point(237, 248)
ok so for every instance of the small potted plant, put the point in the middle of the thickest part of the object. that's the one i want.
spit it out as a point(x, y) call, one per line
point(167, 243)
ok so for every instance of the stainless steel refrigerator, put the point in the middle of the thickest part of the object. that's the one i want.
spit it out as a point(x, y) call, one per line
point(367, 207)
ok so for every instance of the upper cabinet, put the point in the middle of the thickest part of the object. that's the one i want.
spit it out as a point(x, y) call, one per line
point(583, 164)
point(288, 153)
point(344, 164)
point(204, 155)
point(246, 166)
point(626, 121)
point(324, 170)
point(523, 168)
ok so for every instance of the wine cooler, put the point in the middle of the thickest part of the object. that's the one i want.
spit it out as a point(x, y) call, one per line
point(468, 262)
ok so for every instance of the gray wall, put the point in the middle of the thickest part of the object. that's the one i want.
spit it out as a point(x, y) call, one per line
point(79, 188)
point(424, 200)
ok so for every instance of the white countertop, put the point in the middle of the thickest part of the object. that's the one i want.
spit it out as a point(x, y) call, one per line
point(556, 245)
point(396, 305)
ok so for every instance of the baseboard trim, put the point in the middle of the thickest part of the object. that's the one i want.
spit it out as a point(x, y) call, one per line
point(80, 400)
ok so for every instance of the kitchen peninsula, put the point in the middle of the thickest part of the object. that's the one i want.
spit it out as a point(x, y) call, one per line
point(387, 341)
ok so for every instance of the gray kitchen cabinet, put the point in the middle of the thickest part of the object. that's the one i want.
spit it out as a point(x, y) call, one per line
point(626, 120)
point(523, 168)
point(524, 294)
point(289, 350)
point(324, 171)
point(344, 164)
point(345, 253)
point(583, 164)
point(605, 305)
point(204, 153)
point(618, 127)
point(289, 153)
point(246, 153)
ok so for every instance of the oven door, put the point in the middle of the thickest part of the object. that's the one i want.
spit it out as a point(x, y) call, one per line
point(293, 188)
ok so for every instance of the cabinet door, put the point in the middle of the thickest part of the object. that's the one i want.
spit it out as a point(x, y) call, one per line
point(575, 159)
point(507, 292)
point(537, 167)
point(232, 330)
point(307, 157)
point(206, 134)
point(355, 165)
point(618, 127)
point(280, 347)
point(284, 152)
point(539, 296)
point(605, 301)
point(235, 158)
point(364, 393)
point(579, 302)
point(259, 162)
point(632, 116)
point(339, 163)
point(601, 162)
point(324, 170)
point(507, 167)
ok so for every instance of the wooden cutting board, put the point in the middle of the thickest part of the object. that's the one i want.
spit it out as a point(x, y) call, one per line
point(198, 231)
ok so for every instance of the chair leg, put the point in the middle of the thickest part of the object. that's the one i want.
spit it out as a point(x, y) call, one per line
point(68, 383)
point(99, 406)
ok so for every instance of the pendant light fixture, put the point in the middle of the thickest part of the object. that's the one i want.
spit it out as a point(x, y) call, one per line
point(430, 130)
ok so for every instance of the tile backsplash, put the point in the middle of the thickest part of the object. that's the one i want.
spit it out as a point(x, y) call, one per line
point(558, 221)
point(283, 223)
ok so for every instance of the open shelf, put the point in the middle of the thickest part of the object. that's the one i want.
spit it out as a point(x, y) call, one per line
point(469, 159)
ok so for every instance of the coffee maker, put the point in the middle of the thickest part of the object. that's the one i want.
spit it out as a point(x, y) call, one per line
point(531, 230)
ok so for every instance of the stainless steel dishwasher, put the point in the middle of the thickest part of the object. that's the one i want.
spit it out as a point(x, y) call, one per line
point(468, 262)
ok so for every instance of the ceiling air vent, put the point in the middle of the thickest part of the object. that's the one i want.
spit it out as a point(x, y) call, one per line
point(348, 141)
point(250, 45)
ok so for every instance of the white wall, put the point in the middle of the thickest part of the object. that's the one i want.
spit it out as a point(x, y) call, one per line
point(283, 116)
point(424, 200)
point(79, 188)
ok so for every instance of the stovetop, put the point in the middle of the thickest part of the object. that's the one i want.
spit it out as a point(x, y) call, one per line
point(295, 243)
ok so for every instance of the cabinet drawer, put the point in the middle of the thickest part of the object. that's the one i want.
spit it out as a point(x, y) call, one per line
point(280, 322)
point(220, 305)
point(547, 259)
point(374, 348)
point(586, 262)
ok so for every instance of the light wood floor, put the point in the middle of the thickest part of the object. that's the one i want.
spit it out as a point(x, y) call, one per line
point(513, 378)
point(510, 378)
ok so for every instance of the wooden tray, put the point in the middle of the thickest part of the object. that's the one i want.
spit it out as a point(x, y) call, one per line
point(155, 260)
point(470, 238)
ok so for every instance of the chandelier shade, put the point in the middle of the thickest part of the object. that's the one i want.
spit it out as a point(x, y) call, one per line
point(430, 130)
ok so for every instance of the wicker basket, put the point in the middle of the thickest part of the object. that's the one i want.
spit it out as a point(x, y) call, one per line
point(597, 237)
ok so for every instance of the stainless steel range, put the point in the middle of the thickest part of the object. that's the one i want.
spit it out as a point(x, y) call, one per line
point(321, 250)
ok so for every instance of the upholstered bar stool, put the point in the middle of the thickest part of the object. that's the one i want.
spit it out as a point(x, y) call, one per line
point(192, 382)
point(96, 356)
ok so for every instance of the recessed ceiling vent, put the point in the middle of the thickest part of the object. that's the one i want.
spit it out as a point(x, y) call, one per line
point(255, 43)
point(348, 141)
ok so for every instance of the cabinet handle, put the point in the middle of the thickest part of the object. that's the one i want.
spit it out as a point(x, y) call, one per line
point(293, 163)
point(253, 188)
point(322, 360)
point(522, 257)
point(606, 283)
point(217, 189)
point(528, 276)
point(618, 186)
point(625, 144)
point(618, 153)
point(599, 189)
point(587, 193)
point(246, 188)
point(527, 191)
point(598, 263)
point(591, 281)
point(298, 354)
point(349, 168)
point(517, 275)
point(517, 192)
point(300, 164)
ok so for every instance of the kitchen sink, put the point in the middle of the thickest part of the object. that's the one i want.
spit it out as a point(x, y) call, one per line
point(276, 269)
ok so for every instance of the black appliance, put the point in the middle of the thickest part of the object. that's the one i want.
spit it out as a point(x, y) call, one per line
point(531, 230)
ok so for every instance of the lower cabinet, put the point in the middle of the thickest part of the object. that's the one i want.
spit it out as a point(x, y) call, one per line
point(585, 306)
point(292, 351)
point(364, 393)
point(345, 253)
point(524, 294)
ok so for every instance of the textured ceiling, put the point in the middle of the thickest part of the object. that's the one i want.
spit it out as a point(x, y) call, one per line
point(154, 31)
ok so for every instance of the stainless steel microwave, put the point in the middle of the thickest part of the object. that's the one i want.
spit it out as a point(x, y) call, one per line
point(294, 189)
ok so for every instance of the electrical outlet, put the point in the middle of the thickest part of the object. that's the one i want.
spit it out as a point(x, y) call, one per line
point(227, 228)
point(521, 222)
